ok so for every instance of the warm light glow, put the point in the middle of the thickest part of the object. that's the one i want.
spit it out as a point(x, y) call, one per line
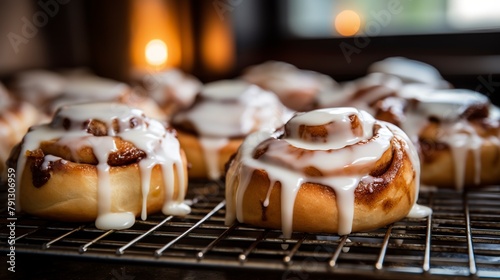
point(347, 23)
point(156, 52)
point(217, 43)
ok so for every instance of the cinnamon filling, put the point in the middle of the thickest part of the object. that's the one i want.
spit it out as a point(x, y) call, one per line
point(39, 175)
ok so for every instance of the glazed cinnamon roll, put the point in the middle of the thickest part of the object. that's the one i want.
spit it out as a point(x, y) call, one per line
point(85, 88)
point(457, 132)
point(173, 90)
point(225, 112)
point(362, 93)
point(39, 87)
point(410, 71)
point(297, 89)
point(101, 161)
point(335, 170)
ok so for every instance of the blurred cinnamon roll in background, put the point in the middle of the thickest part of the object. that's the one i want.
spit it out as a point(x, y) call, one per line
point(15, 118)
point(458, 135)
point(410, 71)
point(225, 112)
point(456, 131)
point(49, 90)
point(296, 88)
point(173, 89)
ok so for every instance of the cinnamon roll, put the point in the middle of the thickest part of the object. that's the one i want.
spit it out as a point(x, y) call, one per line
point(362, 93)
point(457, 132)
point(38, 87)
point(410, 71)
point(85, 88)
point(297, 89)
point(225, 112)
point(100, 161)
point(173, 90)
point(335, 170)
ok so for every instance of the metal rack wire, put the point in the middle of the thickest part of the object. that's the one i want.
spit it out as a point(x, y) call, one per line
point(460, 239)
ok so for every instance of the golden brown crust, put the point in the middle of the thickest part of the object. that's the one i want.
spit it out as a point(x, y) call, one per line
point(195, 155)
point(70, 193)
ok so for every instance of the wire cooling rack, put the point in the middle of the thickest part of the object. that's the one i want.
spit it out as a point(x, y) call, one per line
point(460, 240)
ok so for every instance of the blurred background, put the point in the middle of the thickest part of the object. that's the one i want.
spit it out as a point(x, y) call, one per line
point(216, 39)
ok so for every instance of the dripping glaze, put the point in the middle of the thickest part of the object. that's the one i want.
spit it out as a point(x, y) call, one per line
point(159, 144)
point(364, 147)
point(449, 106)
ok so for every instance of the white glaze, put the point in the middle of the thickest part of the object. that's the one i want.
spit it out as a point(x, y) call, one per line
point(211, 148)
point(5, 99)
point(49, 159)
point(291, 179)
point(230, 109)
point(252, 109)
point(148, 135)
point(15, 119)
point(445, 104)
point(341, 137)
point(417, 81)
point(462, 138)
point(174, 86)
point(117, 221)
point(410, 71)
point(283, 79)
point(87, 88)
point(347, 93)
point(448, 106)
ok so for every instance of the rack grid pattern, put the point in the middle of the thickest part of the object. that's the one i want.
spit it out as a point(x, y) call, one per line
point(460, 240)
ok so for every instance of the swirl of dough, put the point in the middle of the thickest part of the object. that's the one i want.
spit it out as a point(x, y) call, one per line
point(39, 87)
point(329, 170)
point(457, 132)
point(100, 161)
